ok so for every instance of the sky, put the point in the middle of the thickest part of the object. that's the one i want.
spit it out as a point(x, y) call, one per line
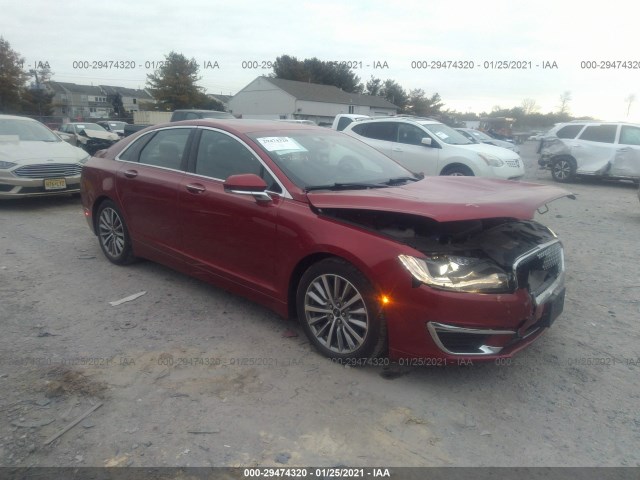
point(386, 39)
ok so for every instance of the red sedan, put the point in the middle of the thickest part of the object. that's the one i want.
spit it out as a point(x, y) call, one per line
point(314, 224)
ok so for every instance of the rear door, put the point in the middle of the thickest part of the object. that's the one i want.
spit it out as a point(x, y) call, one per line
point(147, 183)
point(226, 234)
point(627, 160)
point(409, 151)
point(595, 148)
point(380, 135)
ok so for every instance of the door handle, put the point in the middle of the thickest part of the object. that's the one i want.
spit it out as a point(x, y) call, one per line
point(396, 149)
point(130, 173)
point(195, 188)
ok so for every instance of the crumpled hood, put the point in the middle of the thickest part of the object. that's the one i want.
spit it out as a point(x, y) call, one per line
point(101, 135)
point(447, 199)
point(25, 152)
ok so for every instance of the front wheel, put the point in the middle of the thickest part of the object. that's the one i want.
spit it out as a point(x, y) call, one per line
point(113, 234)
point(457, 171)
point(563, 170)
point(339, 311)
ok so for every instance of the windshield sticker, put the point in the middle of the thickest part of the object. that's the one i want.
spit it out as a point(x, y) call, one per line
point(442, 135)
point(278, 144)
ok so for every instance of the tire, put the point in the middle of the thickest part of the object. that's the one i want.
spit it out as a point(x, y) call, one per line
point(563, 169)
point(113, 234)
point(457, 170)
point(337, 307)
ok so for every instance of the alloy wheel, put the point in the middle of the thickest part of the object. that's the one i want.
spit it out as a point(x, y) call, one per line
point(111, 231)
point(336, 313)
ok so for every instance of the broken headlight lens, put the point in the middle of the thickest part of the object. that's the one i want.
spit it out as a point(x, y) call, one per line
point(460, 274)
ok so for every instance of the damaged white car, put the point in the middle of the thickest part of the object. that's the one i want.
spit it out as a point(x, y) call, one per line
point(89, 136)
point(600, 149)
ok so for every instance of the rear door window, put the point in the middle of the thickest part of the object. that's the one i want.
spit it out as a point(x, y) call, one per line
point(600, 133)
point(386, 131)
point(166, 149)
point(629, 135)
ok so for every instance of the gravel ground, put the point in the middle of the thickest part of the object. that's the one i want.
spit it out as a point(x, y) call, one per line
point(189, 375)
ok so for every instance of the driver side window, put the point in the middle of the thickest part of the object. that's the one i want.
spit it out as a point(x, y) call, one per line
point(220, 156)
point(410, 134)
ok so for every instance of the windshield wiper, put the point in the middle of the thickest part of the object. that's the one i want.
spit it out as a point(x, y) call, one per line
point(400, 180)
point(344, 186)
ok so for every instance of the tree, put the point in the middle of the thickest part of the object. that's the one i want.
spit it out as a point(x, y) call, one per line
point(313, 70)
point(12, 78)
point(421, 105)
point(115, 99)
point(630, 99)
point(529, 106)
point(394, 93)
point(565, 98)
point(174, 85)
point(373, 86)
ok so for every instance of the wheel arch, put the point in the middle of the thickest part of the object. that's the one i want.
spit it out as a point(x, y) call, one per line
point(457, 163)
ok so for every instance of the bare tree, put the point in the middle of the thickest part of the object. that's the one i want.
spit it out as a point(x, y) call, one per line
point(565, 98)
point(630, 99)
point(529, 106)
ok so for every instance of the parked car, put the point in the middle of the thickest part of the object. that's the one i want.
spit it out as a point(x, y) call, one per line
point(34, 161)
point(341, 120)
point(89, 136)
point(432, 148)
point(113, 126)
point(476, 136)
point(597, 149)
point(180, 115)
point(315, 224)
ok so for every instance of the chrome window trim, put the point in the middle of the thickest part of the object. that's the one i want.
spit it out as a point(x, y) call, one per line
point(117, 157)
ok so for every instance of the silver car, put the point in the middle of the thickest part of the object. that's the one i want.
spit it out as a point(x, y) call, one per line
point(34, 161)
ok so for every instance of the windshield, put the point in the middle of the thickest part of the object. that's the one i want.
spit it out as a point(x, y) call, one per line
point(27, 130)
point(446, 134)
point(314, 159)
point(483, 137)
point(89, 126)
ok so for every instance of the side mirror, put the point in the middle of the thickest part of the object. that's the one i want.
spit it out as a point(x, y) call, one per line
point(248, 184)
point(426, 141)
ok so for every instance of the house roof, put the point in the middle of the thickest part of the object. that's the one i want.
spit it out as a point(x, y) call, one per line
point(315, 92)
point(221, 98)
point(126, 92)
point(65, 87)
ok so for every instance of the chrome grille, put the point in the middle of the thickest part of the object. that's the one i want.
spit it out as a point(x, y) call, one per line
point(49, 170)
point(513, 163)
point(538, 271)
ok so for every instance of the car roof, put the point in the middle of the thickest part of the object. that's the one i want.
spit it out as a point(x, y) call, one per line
point(17, 117)
point(244, 125)
point(399, 119)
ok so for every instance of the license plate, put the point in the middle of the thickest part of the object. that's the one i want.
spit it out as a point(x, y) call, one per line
point(55, 183)
point(553, 309)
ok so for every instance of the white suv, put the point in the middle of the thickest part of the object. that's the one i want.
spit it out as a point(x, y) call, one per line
point(426, 146)
point(602, 149)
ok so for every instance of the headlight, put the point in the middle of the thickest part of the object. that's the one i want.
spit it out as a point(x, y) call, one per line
point(84, 159)
point(7, 165)
point(460, 274)
point(491, 160)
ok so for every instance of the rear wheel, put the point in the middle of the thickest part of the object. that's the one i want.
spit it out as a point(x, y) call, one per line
point(563, 169)
point(457, 171)
point(339, 312)
point(113, 234)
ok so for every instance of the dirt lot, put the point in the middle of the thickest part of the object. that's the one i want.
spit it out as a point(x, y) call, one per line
point(189, 375)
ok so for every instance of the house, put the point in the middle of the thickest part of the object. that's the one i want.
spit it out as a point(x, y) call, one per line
point(276, 98)
point(78, 101)
point(131, 97)
point(223, 99)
